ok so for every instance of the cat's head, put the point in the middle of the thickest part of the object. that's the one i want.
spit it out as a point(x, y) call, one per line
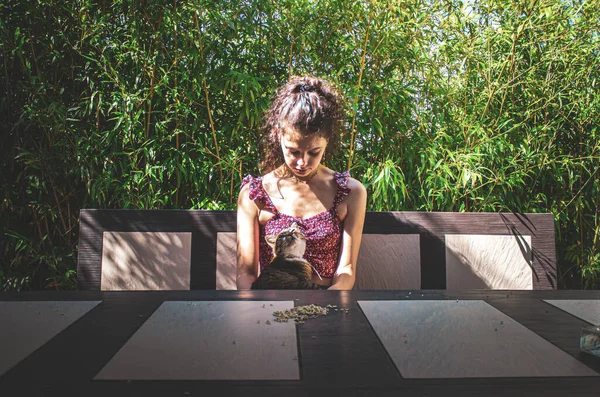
point(290, 242)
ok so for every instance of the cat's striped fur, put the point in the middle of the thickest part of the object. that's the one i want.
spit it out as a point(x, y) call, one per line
point(287, 270)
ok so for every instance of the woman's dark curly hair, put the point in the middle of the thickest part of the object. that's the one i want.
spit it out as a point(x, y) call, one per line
point(307, 105)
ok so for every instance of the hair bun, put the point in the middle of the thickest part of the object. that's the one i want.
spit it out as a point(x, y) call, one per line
point(303, 87)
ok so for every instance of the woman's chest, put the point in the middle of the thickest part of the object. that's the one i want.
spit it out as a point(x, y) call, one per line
point(318, 224)
point(303, 202)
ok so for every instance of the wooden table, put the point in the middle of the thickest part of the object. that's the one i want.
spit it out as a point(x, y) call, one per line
point(340, 355)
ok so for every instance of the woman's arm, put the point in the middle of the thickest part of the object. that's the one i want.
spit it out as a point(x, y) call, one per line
point(345, 275)
point(247, 240)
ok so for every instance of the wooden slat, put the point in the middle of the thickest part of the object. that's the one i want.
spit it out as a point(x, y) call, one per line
point(432, 226)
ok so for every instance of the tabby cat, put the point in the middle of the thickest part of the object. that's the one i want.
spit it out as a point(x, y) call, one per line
point(287, 270)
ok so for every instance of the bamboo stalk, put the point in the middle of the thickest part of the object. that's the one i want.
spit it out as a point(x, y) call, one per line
point(212, 128)
point(362, 67)
point(62, 220)
point(47, 227)
point(291, 46)
point(69, 219)
point(39, 228)
point(291, 52)
point(150, 95)
point(152, 76)
point(178, 157)
point(580, 212)
point(231, 185)
point(37, 69)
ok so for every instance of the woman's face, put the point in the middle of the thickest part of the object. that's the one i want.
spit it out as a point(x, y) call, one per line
point(302, 155)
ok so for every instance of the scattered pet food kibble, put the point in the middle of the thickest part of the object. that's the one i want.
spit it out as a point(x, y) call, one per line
point(268, 322)
point(301, 313)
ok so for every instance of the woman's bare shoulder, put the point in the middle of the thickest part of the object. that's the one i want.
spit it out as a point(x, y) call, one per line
point(244, 191)
point(244, 200)
point(355, 184)
point(357, 189)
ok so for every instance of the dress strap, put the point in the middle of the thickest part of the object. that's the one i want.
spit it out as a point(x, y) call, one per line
point(258, 192)
point(341, 178)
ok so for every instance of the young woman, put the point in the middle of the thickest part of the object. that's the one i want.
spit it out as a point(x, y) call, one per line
point(303, 124)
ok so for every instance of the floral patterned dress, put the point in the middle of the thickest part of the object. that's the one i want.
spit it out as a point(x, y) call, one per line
point(323, 231)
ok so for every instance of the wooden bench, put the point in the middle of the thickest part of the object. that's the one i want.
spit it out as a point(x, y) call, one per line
point(195, 249)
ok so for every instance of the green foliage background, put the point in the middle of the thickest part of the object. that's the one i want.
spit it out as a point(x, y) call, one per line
point(452, 106)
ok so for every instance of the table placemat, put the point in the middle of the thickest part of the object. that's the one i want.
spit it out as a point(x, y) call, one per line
point(464, 339)
point(220, 340)
point(27, 325)
point(585, 309)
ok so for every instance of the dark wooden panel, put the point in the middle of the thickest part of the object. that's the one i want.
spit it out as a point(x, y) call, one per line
point(433, 261)
point(204, 226)
point(203, 263)
point(431, 226)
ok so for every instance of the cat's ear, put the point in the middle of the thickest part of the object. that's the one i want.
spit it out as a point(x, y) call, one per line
point(271, 241)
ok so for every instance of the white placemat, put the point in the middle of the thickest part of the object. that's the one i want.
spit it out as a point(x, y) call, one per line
point(464, 339)
point(27, 325)
point(587, 310)
point(221, 340)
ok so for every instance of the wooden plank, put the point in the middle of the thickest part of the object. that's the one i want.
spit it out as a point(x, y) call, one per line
point(431, 227)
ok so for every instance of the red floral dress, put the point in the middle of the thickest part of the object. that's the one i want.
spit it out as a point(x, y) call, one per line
point(323, 231)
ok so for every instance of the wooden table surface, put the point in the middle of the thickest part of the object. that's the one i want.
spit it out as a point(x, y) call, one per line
point(340, 355)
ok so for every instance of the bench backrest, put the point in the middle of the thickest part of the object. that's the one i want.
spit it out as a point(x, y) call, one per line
point(195, 249)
